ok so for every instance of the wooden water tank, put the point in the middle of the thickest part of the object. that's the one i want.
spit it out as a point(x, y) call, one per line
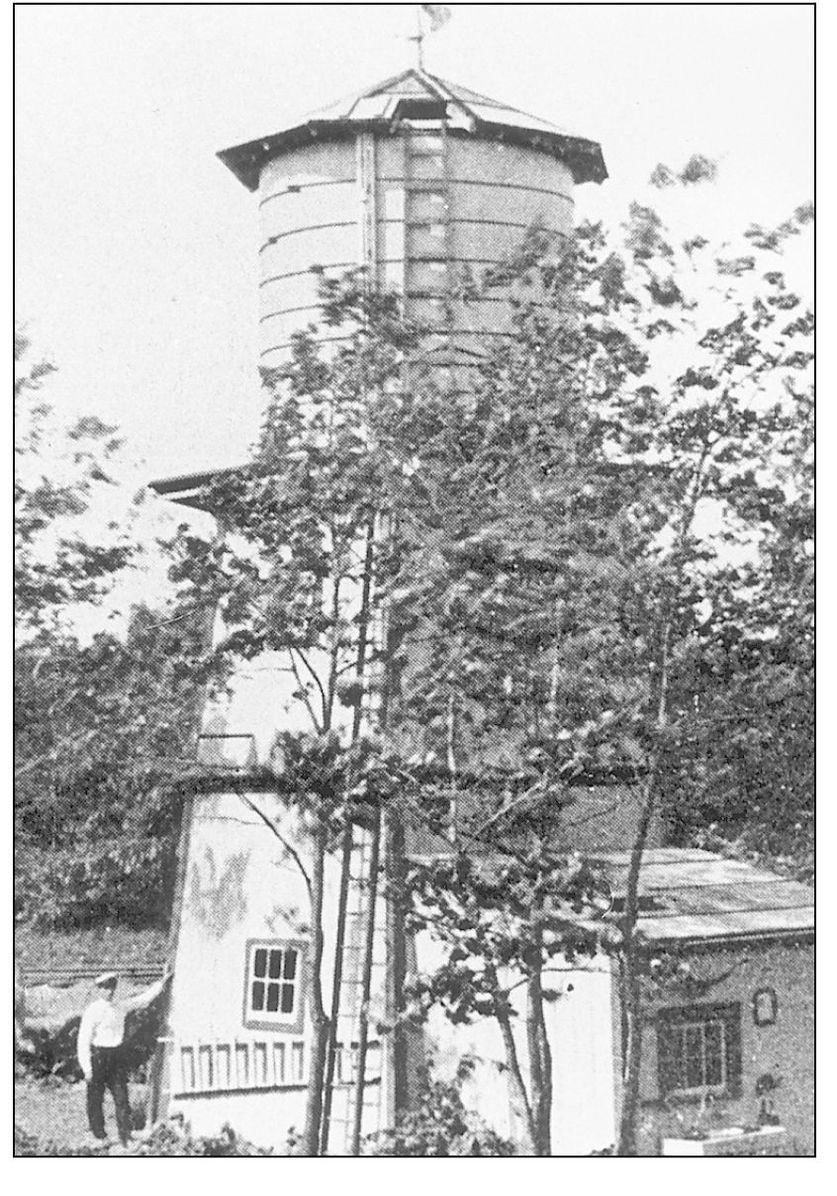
point(425, 184)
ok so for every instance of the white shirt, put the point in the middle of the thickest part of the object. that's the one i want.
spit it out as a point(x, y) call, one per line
point(103, 1023)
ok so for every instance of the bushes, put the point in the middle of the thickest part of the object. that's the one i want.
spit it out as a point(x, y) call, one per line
point(168, 1139)
point(31, 1146)
point(440, 1126)
point(173, 1138)
point(126, 880)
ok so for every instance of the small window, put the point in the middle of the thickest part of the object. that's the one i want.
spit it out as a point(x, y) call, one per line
point(421, 109)
point(644, 905)
point(699, 1051)
point(273, 996)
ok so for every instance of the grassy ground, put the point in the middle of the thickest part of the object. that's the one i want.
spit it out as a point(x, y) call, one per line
point(50, 1120)
point(55, 1110)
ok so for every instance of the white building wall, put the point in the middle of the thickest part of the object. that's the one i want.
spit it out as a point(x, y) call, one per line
point(580, 1035)
point(240, 884)
point(579, 1028)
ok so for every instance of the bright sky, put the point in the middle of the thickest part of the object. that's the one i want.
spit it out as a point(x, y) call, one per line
point(136, 262)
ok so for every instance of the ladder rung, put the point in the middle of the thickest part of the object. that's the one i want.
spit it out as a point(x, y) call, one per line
point(421, 185)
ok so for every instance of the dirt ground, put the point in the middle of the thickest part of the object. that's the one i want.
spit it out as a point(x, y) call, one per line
point(55, 1110)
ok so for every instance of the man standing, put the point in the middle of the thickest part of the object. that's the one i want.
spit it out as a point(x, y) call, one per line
point(101, 1055)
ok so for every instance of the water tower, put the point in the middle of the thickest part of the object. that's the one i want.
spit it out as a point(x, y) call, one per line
point(426, 185)
point(422, 182)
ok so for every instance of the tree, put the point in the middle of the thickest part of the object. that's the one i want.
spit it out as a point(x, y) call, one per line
point(509, 919)
point(58, 472)
point(299, 575)
point(99, 725)
point(102, 733)
point(553, 550)
point(565, 526)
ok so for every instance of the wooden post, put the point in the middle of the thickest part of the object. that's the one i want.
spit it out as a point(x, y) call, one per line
point(157, 1100)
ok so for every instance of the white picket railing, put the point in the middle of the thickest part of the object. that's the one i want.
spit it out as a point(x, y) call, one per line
point(206, 1066)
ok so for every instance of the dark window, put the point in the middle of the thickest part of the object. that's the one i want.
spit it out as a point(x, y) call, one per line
point(273, 984)
point(699, 1051)
point(644, 905)
point(421, 110)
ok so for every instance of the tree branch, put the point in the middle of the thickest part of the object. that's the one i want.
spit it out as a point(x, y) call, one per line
point(301, 688)
point(315, 678)
point(291, 850)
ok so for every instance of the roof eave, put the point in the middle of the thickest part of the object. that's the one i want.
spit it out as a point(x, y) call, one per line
point(191, 489)
point(733, 939)
point(583, 157)
point(246, 160)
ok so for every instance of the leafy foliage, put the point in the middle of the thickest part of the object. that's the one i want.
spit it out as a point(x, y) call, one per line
point(56, 564)
point(101, 726)
point(102, 732)
point(439, 1126)
point(96, 883)
point(171, 1138)
point(593, 557)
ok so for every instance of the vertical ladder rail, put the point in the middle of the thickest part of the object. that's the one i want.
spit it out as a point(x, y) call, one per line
point(331, 1045)
point(447, 219)
point(348, 836)
point(363, 1012)
point(351, 984)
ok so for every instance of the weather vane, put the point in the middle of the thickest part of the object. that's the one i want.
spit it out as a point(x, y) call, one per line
point(429, 19)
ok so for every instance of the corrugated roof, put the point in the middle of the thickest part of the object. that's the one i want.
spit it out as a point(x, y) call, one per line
point(468, 112)
point(698, 896)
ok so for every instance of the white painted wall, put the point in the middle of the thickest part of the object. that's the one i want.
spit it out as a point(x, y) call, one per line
point(580, 1035)
point(579, 1028)
point(241, 884)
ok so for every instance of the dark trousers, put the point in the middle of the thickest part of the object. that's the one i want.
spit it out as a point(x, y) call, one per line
point(108, 1071)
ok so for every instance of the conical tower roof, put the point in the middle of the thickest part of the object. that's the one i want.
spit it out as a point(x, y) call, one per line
point(416, 94)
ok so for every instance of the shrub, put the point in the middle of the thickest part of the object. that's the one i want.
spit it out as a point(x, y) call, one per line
point(440, 1126)
point(174, 1138)
point(84, 885)
point(167, 1139)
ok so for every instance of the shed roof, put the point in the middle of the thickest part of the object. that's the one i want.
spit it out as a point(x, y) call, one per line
point(696, 896)
point(381, 106)
point(194, 489)
point(70, 957)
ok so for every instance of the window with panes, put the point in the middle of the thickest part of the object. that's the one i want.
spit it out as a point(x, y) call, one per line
point(699, 1051)
point(273, 994)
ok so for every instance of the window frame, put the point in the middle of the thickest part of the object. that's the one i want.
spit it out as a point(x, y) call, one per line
point(260, 1020)
point(670, 1024)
